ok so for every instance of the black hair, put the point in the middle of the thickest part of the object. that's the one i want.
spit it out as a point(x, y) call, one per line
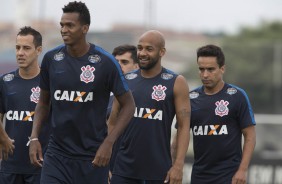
point(212, 50)
point(27, 30)
point(126, 48)
point(81, 8)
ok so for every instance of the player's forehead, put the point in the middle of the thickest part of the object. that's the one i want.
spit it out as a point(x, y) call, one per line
point(124, 57)
point(150, 39)
point(72, 17)
point(207, 61)
point(146, 45)
point(25, 40)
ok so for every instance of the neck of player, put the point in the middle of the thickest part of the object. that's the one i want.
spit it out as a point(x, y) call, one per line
point(29, 72)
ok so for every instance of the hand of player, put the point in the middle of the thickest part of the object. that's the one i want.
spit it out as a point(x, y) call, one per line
point(110, 177)
point(240, 177)
point(103, 155)
point(35, 153)
point(6, 147)
point(174, 176)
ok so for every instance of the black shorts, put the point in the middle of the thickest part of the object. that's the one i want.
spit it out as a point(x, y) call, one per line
point(59, 169)
point(12, 178)
point(116, 179)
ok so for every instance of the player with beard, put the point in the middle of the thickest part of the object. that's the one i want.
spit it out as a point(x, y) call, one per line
point(159, 94)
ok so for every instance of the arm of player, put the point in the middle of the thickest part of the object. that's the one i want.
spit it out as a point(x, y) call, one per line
point(249, 134)
point(173, 148)
point(113, 116)
point(111, 124)
point(6, 144)
point(183, 111)
point(41, 114)
point(126, 112)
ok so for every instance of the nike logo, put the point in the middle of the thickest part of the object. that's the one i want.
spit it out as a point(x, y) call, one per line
point(58, 72)
point(12, 93)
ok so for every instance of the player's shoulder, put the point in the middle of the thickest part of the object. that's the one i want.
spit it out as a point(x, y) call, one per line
point(232, 89)
point(7, 77)
point(168, 74)
point(98, 51)
point(56, 49)
point(132, 74)
point(57, 53)
point(195, 93)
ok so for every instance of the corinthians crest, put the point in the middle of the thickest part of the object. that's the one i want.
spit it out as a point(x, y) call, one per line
point(87, 74)
point(221, 108)
point(34, 97)
point(159, 92)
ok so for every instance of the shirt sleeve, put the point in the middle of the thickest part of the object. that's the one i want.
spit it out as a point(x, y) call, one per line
point(1, 96)
point(117, 82)
point(44, 73)
point(245, 112)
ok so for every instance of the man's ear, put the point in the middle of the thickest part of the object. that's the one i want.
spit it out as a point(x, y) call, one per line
point(85, 28)
point(39, 50)
point(162, 52)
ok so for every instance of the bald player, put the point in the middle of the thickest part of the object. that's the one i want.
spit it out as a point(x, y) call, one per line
point(159, 94)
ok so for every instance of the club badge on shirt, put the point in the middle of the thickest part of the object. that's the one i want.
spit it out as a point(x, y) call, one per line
point(159, 92)
point(87, 74)
point(231, 91)
point(34, 97)
point(130, 76)
point(59, 56)
point(193, 95)
point(166, 76)
point(221, 108)
point(8, 77)
point(94, 59)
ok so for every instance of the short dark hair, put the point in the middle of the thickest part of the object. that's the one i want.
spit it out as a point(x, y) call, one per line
point(78, 7)
point(212, 50)
point(27, 30)
point(126, 48)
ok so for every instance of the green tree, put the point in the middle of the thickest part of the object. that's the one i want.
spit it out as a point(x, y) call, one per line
point(252, 57)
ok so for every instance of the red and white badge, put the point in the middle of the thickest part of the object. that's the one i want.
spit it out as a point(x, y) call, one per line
point(221, 108)
point(159, 92)
point(87, 74)
point(34, 97)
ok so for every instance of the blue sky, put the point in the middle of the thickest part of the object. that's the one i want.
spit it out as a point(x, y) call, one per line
point(180, 15)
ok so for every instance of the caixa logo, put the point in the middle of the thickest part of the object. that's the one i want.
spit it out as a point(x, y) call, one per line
point(210, 130)
point(73, 96)
point(19, 115)
point(148, 113)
